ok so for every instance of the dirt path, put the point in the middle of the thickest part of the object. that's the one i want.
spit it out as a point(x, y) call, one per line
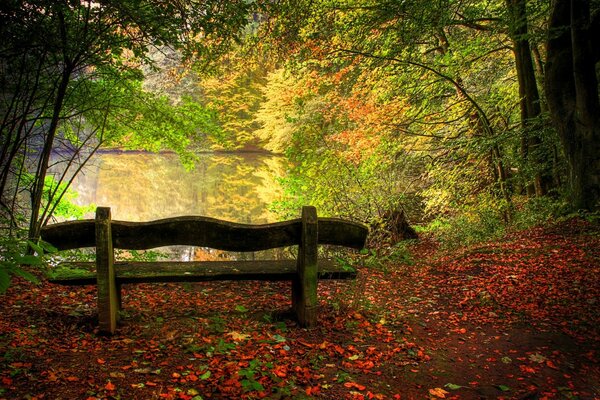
point(516, 320)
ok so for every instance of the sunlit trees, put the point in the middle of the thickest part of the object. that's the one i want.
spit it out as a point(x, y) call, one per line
point(455, 85)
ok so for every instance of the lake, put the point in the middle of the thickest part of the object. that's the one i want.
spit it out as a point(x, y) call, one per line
point(141, 186)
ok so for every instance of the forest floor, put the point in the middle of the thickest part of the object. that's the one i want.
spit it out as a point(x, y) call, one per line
point(514, 319)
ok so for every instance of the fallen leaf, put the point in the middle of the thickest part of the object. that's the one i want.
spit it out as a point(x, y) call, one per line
point(538, 358)
point(438, 392)
point(238, 337)
point(354, 385)
point(452, 386)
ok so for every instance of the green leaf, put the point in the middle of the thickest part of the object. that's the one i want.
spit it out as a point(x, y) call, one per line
point(503, 388)
point(37, 248)
point(47, 247)
point(279, 338)
point(205, 376)
point(452, 386)
point(241, 309)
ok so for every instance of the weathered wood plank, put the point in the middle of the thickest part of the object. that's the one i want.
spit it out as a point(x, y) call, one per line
point(304, 286)
point(203, 232)
point(108, 299)
point(197, 271)
point(337, 232)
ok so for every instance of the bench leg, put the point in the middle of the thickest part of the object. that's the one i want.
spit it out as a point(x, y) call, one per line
point(304, 287)
point(108, 298)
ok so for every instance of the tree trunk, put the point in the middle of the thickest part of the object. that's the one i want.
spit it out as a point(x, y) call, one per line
point(572, 92)
point(40, 176)
point(529, 98)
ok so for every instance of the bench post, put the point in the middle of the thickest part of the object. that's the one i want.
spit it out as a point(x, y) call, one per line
point(304, 286)
point(108, 296)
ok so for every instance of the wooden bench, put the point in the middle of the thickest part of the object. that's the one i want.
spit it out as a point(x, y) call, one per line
point(304, 272)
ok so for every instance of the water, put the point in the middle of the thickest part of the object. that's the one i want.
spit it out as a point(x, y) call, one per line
point(140, 186)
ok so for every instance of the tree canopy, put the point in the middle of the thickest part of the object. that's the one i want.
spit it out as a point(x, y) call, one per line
point(481, 110)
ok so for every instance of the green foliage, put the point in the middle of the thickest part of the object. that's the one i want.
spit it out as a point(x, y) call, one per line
point(538, 210)
point(483, 221)
point(18, 257)
point(393, 256)
point(249, 374)
point(57, 196)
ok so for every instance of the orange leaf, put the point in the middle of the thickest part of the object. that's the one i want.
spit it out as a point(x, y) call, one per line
point(438, 392)
point(110, 386)
point(101, 361)
point(354, 385)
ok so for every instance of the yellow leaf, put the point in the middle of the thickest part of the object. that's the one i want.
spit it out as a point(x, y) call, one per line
point(238, 336)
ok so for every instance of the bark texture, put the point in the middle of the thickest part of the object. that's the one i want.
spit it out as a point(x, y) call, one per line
point(572, 94)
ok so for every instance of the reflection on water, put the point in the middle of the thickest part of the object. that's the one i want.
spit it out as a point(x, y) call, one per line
point(145, 186)
point(142, 186)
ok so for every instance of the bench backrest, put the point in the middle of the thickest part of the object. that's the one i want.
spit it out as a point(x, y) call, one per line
point(202, 232)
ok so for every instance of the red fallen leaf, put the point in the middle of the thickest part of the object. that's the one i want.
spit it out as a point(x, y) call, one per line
point(312, 390)
point(280, 372)
point(6, 381)
point(101, 361)
point(527, 369)
point(110, 386)
point(150, 383)
point(72, 378)
point(550, 364)
point(354, 385)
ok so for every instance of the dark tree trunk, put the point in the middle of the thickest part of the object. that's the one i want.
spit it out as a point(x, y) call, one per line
point(572, 92)
point(529, 97)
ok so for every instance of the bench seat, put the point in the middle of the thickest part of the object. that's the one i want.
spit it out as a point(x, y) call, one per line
point(84, 273)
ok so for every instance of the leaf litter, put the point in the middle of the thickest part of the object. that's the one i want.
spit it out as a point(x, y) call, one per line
point(510, 319)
